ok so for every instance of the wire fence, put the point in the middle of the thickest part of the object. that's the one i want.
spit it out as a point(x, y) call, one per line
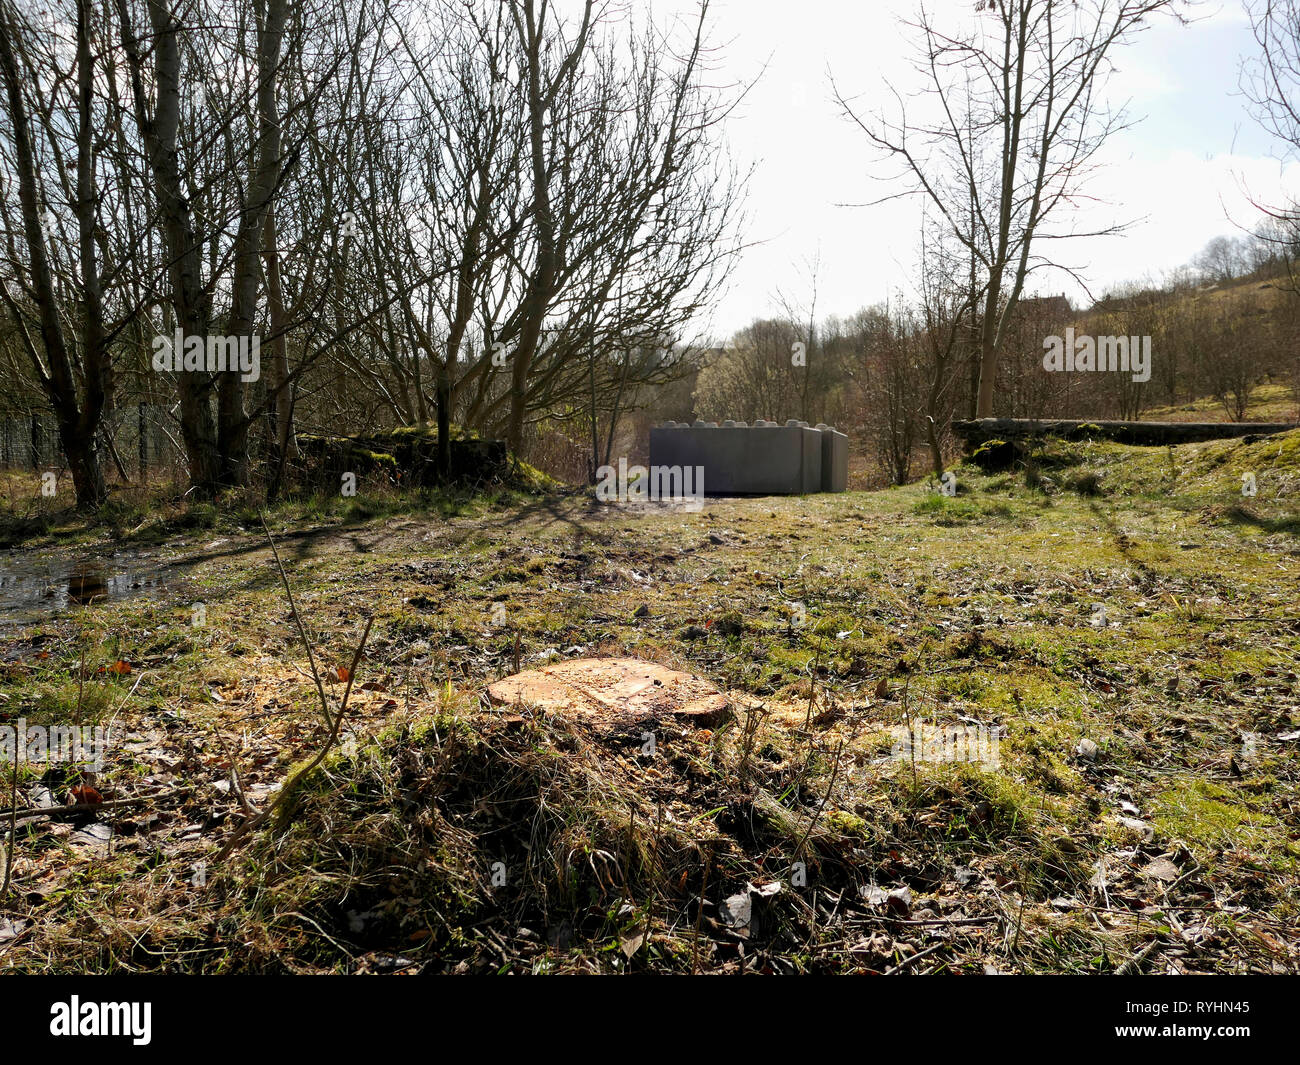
point(134, 441)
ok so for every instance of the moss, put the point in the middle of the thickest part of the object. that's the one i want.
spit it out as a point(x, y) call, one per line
point(376, 458)
point(1204, 813)
point(846, 824)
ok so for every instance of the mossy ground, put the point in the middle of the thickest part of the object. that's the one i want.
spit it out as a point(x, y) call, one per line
point(1268, 403)
point(1131, 598)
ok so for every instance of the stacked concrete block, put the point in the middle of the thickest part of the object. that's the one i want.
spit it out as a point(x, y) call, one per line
point(835, 459)
point(760, 459)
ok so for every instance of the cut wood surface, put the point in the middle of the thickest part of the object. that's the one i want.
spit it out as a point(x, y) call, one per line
point(616, 689)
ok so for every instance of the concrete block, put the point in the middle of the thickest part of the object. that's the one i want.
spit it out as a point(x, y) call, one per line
point(835, 459)
point(740, 459)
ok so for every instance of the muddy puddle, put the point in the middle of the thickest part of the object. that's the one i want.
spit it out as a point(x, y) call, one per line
point(33, 589)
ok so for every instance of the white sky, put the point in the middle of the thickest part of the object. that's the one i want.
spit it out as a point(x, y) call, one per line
point(1182, 170)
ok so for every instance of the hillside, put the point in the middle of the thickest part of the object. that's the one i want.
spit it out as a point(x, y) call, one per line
point(1268, 403)
point(1235, 338)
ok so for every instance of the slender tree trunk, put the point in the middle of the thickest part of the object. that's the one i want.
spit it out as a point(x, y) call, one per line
point(232, 422)
point(444, 423)
point(595, 432)
point(78, 417)
point(189, 300)
point(142, 443)
point(988, 372)
point(280, 411)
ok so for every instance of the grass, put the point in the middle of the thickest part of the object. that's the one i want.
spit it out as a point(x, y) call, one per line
point(1131, 598)
point(1268, 403)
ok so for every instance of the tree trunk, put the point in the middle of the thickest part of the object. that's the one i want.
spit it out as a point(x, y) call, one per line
point(988, 375)
point(142, 444)
point(78, 416)
point(83, 463)
point(280, 410)
point(232, 422)
point(444, 424)
point(188, 296)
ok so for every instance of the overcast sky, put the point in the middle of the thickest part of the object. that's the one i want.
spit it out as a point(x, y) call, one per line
point(1182, 170)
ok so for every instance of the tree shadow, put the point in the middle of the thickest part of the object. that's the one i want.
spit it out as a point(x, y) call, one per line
point(1122, 543)
point(1243, 515)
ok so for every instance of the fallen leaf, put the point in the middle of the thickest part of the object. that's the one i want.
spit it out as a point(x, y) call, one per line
point(737, 911)
point(872, 895)
point(90, 834)
point(1141, 827)
point(899, 901)
point(84, 795)
point(1161, 869)
point(10, 929)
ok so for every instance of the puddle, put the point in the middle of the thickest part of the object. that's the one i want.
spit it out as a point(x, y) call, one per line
point(87, 585)
point(33, 589)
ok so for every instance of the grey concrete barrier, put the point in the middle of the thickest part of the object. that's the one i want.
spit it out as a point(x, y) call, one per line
point(760, 459)
point(835, 459)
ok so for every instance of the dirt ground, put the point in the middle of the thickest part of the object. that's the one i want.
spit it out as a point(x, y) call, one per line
point(1047, 725)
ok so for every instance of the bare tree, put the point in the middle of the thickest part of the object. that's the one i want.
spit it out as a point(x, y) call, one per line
point(754, 376)
point(1223, 259)
point(58, 281)
point(1015, 114)
point(1271, 81)
point(945, 300)
point(892, 382)
point(631, 200)
point(805, 311)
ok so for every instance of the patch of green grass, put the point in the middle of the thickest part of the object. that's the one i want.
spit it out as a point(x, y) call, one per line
point(1206, 814)
point(947, 510)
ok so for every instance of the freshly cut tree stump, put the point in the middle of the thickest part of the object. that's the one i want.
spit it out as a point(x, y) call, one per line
point(615, 692)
